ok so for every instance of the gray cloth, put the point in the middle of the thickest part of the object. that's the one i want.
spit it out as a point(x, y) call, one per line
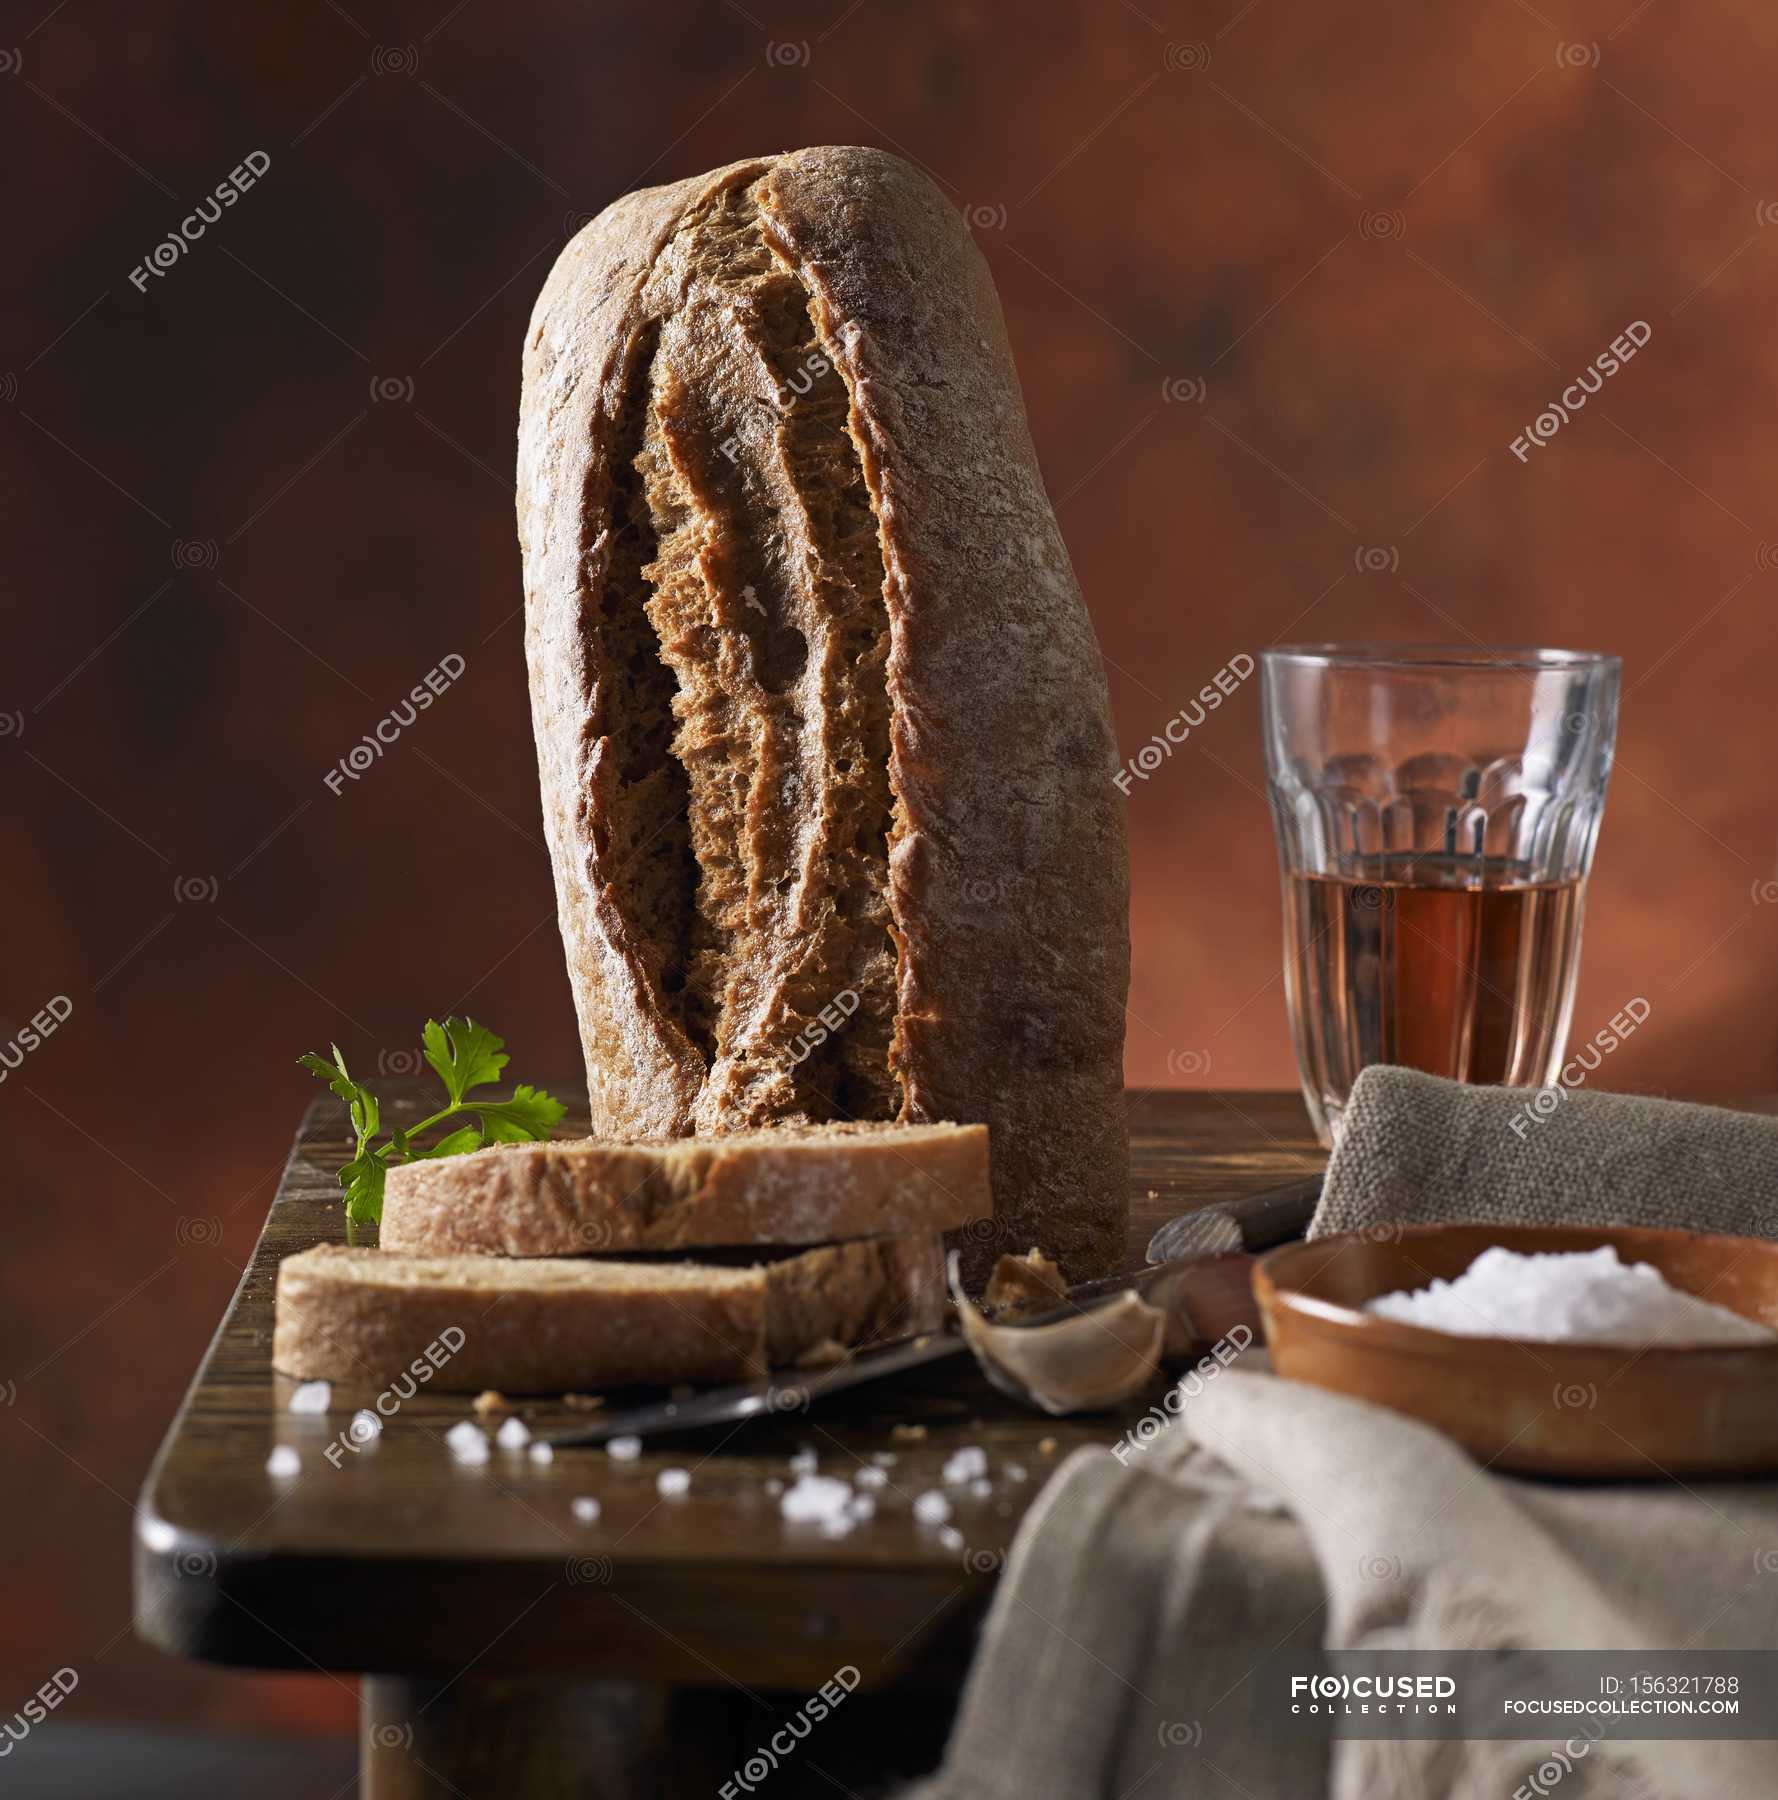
point(1417, 1150)
point(1145, 1590)
point(1141, 1599)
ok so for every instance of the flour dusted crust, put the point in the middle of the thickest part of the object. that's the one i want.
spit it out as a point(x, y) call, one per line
point(786, 1185)
point(819, 711)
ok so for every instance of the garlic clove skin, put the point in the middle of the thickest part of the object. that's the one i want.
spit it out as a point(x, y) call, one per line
point(1087, 1363)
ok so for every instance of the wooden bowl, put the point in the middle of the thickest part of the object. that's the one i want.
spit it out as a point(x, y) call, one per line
point(1592, 1411)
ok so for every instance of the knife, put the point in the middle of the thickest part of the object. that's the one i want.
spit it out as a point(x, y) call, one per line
point(1210, 1235)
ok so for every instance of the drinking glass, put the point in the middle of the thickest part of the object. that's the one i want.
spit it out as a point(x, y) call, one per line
point(1436, 811)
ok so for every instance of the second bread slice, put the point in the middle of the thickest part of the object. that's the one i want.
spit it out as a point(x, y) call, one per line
point(360, 1315)
point(789, 1185)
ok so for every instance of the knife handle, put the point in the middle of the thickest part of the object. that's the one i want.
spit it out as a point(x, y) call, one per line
point(1253, 1223)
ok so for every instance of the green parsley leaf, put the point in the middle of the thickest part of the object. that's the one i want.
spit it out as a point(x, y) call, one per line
point(528, 1117)
point(466, 1137)
point(362, 1178)
point(464, 1054)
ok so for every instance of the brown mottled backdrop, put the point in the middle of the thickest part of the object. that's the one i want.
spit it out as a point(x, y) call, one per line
point(1283, 279)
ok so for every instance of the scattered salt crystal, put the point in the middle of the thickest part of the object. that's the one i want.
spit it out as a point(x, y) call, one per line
point(1575, 1297)
point(951, 1538)
point(1016, 1472)
point(815, 1498)
point(885, 1459)
point(774, 1486)
point(542, 1453)
point(981, 1488)
point(803, 1463)
point(836, 1527)
point(283, 1461)
point(672, 1484)
point(625, 1449)
point(861, 1506)
point(311, 1397)
point(585, 1510)
point(513, 1435)
point(467, 1442)
point(869, 1477)
point(966, 1464)
point(932, 1508)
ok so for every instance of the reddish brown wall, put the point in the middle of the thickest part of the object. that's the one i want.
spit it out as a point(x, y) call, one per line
point(1380, 237)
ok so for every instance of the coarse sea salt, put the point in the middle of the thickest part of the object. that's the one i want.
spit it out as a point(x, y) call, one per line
point(311, 1397)
point(673, 1484)
point(586, 1510)
point(815, 1499)
point(283, 1462)
point(624, 1449)
point(932, 1508)
point(967, 1464)
point(1572, 1297)
point(467, 1442)
point(513, 1435)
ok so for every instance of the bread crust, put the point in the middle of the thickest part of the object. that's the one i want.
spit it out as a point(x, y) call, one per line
point(1006, 867)
point(573, 1325)
point(783, 1186)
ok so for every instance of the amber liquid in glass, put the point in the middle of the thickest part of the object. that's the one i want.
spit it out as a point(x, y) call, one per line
point(1453, 965)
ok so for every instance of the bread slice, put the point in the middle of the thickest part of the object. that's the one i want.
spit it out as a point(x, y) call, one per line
point(363, 1315)
point(789, 1185)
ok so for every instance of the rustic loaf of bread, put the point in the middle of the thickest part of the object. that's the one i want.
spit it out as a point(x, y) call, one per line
point(821, 722)
point(788, 1185)
point(574, 1323)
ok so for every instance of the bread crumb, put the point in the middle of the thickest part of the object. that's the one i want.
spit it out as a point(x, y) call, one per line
point(575, 1402)
point(1023, 1284)
point(1047, 1447)
point(490, 1402)
point(1154, 1193)
point(907, 1434)
point(828, 1354)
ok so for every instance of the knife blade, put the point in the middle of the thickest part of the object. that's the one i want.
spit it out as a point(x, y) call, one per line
point(1235, 1227)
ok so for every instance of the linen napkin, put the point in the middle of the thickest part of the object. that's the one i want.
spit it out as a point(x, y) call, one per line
point(1120, 1656)
point(1418, 1150)
point(1146, 1588)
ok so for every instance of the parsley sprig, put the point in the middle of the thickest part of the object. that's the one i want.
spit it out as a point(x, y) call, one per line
point(464, 1055)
